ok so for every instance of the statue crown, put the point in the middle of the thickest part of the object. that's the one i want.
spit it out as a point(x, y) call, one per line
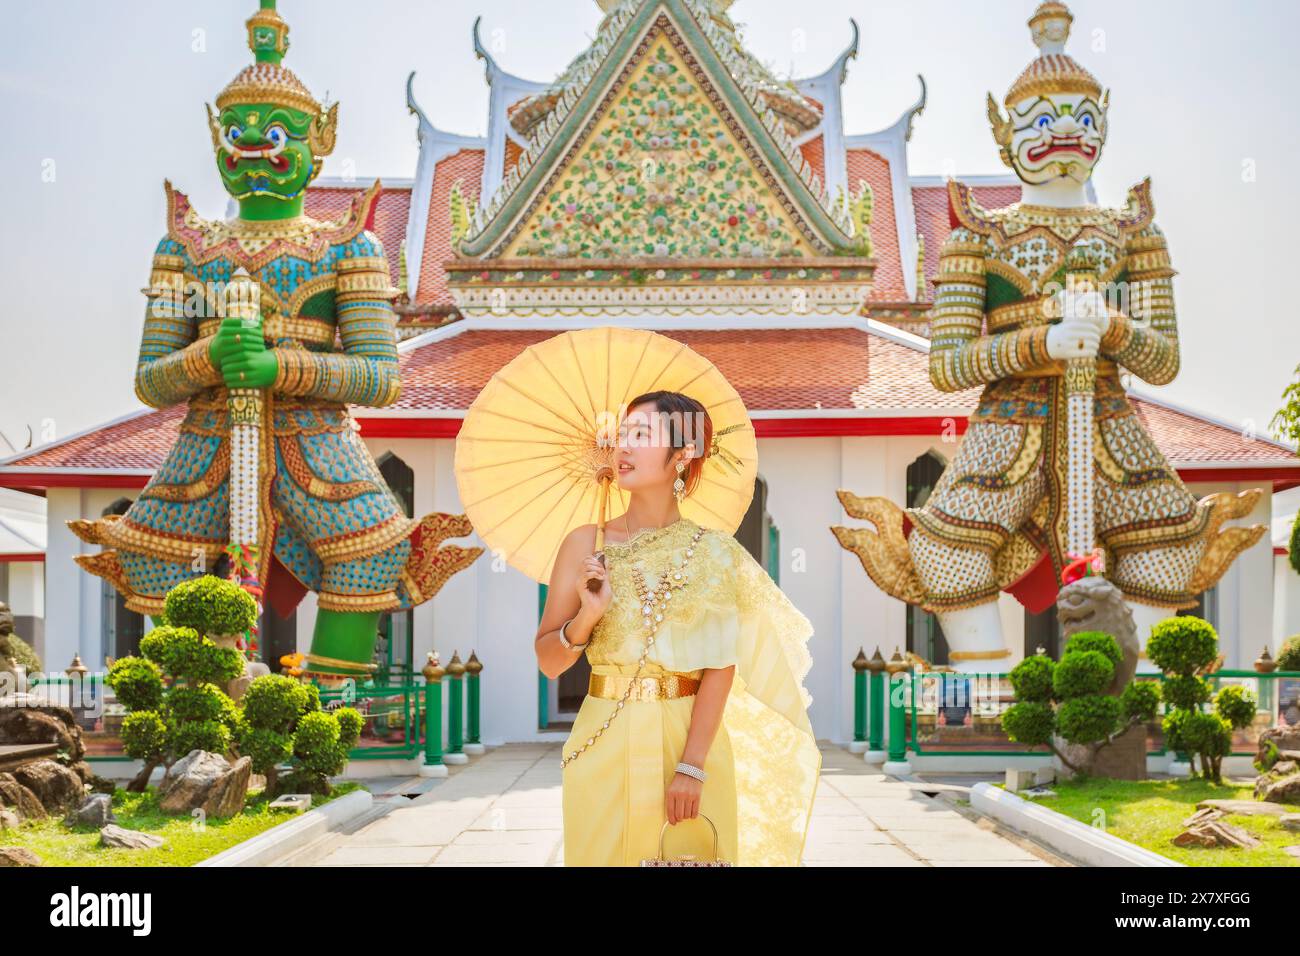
point(266, 80)
point(1053, 70)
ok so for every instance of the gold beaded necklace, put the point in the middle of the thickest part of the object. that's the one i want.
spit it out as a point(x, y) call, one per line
point(654, 604)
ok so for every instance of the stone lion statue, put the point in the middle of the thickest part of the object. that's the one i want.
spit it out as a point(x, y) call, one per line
point(1095, 604)
point(13, 646)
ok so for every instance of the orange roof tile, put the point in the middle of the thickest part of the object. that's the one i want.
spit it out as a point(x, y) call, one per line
point(863, 164)
point(465, 166)
point(814, 151)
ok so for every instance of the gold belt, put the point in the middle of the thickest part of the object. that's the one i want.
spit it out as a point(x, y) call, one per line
point(614, 686)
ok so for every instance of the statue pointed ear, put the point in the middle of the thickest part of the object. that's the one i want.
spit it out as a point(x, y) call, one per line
point(320, 138)
point(214, 126)
point(1105, 107)
point(1001, 129)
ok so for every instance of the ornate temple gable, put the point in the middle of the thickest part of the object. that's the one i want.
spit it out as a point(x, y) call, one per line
point(799, 112)
point(670, 45)
point(660, 174)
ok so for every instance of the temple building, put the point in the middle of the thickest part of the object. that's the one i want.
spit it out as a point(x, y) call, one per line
point(665, 180)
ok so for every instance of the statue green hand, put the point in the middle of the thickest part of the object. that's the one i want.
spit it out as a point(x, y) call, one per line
point(239, 351)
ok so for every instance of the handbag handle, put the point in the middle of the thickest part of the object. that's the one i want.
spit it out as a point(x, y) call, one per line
point(664, 829)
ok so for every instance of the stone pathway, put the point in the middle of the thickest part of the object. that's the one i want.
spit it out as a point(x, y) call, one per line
point(503, 809)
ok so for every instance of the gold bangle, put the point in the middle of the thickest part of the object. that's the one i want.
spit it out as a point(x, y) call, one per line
point(565, 641)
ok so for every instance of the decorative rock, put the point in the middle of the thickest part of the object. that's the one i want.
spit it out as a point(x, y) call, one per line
point(9, 820)
point(1203, 815)
point(18, 856)
point(19, 799)
point(40, 722)
point(1289, 821)
point(56, 786)
point(208, 781)
point(1283, 738)
point(1216, 833)
point(1284, 790)
point(115, 836)
point(1250, 808)
point(96, 811)
point(1291, 850)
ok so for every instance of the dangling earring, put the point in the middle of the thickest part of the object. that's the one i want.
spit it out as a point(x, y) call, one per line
point(679, 485)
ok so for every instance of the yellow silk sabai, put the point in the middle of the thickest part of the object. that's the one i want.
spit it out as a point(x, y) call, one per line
point(763, 764)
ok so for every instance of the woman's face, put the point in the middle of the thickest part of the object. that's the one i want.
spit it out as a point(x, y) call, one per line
point(642, 457)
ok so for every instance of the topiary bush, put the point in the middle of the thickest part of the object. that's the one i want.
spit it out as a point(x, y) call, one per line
point(173, 691)
point(283, 723)
point(1288, 658)
point(211, 606)
point(1184, 648)
point(1068, 699)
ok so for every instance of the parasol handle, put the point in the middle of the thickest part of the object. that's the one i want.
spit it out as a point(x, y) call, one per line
point(604, 477)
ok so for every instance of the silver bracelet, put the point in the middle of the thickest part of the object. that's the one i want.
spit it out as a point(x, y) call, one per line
point(691, 771)
point(565, 641)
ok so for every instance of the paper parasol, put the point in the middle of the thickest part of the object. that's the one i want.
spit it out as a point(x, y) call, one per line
point(535, 457)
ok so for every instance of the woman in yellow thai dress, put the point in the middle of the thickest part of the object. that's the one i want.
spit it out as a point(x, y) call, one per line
point(716, 724)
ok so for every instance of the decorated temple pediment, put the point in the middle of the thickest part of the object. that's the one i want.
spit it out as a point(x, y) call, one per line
point(662, 170)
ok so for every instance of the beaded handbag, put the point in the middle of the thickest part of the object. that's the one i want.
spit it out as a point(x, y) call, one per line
point(687, 860)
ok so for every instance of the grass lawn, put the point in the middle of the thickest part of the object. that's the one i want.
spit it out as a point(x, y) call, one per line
point(187, 842)
point(1150, 813)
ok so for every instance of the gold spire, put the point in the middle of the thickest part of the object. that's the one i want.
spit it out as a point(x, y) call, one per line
point(1052, 71)
point(266, 80)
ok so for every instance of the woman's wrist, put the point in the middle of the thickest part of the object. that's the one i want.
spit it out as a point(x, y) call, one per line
point(571, 644)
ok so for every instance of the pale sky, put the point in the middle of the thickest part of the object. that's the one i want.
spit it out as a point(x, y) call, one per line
point(102, 101)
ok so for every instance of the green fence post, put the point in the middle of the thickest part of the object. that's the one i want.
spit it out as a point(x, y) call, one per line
point(900, 699)
point(433, 765)
point(876, 715)
point(859, 702)
point(456, 711)
point(473, 667)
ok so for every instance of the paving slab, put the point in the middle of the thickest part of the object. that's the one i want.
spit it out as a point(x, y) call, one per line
point(504, 808)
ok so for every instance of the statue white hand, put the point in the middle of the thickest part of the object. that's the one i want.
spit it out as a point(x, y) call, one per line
point(1083, 306)
point(1077, 338)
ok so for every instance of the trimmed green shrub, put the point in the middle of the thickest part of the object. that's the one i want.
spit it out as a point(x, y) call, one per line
point(1184, 648)
point(1031, 679)
point(1068, 699)
point(1182, 645)
point(210, 605)
point(1236, 705)
point(173, 691)
point(1288, 658)
point(1088, 719)
point(284, 723)
point(138, 684)
point(1082, 673)
point(1096, 641)
point(1030, 722)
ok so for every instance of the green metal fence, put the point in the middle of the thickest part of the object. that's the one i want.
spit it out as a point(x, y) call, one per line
point(403, 715)
point(960, 715)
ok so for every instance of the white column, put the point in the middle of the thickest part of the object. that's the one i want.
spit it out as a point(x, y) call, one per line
point(64, 582)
